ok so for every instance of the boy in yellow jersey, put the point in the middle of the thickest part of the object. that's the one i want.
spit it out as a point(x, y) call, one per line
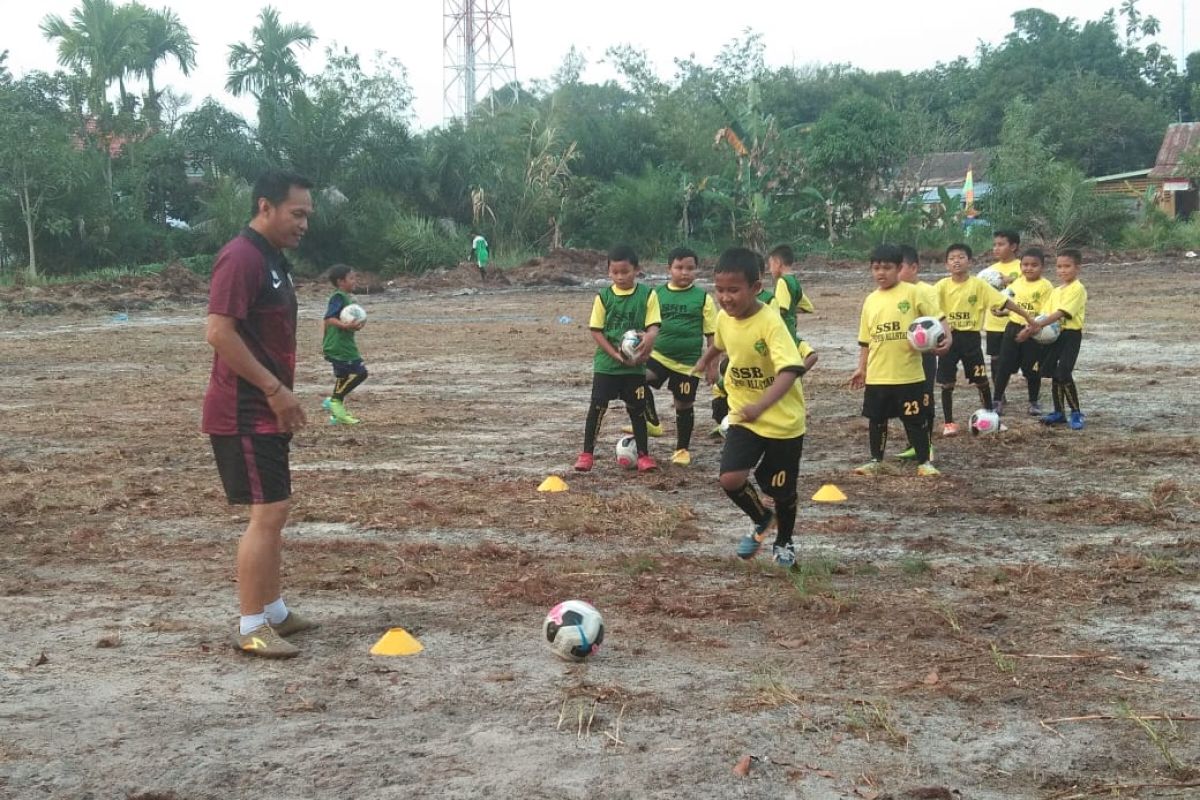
point(910, 267)
point(1067, 305)
point(964, 299)
point(1030, 292)
point(689, 318)
point(625, 305)
point(791, 297)
point(1005, 244)
point(766, 404)
point(889, 369)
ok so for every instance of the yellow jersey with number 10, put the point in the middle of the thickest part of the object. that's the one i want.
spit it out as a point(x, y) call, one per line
point(759, 348)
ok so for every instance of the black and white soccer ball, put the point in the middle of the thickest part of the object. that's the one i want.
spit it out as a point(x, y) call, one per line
point(1048, 334)
point(353, 313)
point(627, 451)
point(630, 340)
point(992, 277)
point(573, 630)
point(926, 333)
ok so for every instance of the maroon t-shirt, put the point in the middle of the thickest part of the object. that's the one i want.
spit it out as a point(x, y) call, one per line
point(251, 282)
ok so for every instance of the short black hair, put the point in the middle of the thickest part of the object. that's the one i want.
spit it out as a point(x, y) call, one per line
point(1034, 252)
point(908, 255)
point(965, 248)
point(742, 261)
point(623, 252)
point(339, 271)
point(784, 253)
point(680, 253)
point(1073, 254)
point(1012, 236)
point(274, 186)
point(887, 254)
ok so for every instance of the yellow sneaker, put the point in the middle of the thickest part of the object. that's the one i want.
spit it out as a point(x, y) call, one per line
point(265, 642)
point(651, 429)
point(869, 468)
point(293, 623)
point(681, 458)
point(338, 412)
point(928, 470)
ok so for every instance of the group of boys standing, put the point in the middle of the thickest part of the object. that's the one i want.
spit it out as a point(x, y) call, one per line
point(752, 355)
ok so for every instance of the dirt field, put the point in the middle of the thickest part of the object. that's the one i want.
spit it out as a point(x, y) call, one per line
point(924, 648)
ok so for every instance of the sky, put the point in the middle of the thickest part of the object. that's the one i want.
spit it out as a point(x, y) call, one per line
point(874, 36)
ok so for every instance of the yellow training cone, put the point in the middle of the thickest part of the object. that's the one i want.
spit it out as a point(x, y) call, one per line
point(553, 484)
point(829, 494)
point(396, 642)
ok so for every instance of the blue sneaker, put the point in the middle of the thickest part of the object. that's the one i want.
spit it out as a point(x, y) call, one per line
point(784, 556)
point(327, 404)
point(1054, 418)
point(1076, 421)
point(749, 544)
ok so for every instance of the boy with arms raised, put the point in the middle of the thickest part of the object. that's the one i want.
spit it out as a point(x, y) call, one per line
point(889, 369)
point(1005, 245)
point(1030, 292)
point(964, 299)
point(1066, 305)
point(766, 404)
point(625, 305)
point(689, 319)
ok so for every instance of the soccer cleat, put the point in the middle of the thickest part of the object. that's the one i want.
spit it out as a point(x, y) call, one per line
point(870, 468)
point(646, 463)
point(338, 411)
point(950, 429)
point(998, 405)
point(784, 556)
point(1054, 418)
point(1076, 420)
point(327, 404)
point(651, 429)
point(293, 623)
point(265, 642)
point(584, 462)
point(928, 470)
point(681, 458)
point(1035, 410)
point(748, 545)
point(908, 454)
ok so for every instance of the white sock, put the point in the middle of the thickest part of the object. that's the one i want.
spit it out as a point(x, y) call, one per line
point(276, 612)
point(252, 621)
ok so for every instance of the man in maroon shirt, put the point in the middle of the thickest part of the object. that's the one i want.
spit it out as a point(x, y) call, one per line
point(250, 412)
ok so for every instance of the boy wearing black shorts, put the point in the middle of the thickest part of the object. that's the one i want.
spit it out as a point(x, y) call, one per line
point(766, 404)
point(1067, 306)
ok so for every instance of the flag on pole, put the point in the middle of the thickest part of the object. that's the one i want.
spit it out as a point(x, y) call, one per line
point(969, 192)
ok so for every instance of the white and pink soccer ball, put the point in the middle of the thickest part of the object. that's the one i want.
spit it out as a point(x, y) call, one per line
point(926, 334)
point(573, 630)
point(985, 422)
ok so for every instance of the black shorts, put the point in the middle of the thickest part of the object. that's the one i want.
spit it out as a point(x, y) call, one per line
point(1062, 355)
point(630, 388)
point(777, 460)
point(683, 387)
point(885, 401)
point(994, 340)
point(343, 368)
point(966, 348)
point(254, 467)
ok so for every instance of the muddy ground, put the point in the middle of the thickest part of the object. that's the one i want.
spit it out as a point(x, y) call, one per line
point(924, 648)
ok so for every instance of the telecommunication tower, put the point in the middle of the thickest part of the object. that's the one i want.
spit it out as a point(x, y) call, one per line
point(480, 64)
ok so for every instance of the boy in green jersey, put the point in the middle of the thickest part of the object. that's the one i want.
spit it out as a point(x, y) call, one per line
point(781, 262)
point(625, 305)
point(339, 346)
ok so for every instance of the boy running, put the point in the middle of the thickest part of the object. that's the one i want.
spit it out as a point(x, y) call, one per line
point(766, 404)
point(339, 346)
point(625, 305)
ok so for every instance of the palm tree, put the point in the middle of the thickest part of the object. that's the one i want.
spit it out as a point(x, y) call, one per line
point(162, 37)
point(100, 42)
point(267, 67)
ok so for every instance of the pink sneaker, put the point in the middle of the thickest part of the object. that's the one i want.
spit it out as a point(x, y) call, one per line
point(646, 463)
point(584, 462)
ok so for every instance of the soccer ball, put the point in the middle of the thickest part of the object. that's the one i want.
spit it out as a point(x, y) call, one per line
point(925, 334)
point(629, 343)
point(627, 451)
point(573, 630)
point(993, 278)
point(725, 425)
point(353, 313)
point(1048, 334)
point(984, 421)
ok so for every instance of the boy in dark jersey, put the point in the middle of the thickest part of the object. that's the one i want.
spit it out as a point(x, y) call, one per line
point(340, 348)
point(766, 404)
point(688, 321)
point(791, 298)
point(625, 305)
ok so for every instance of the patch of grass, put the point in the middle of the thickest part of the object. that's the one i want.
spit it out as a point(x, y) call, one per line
point(946, 612)
point(1160, 739)
point(639, 565)
point(868, 716)
point(1161, 564)
point(812, 576)
point(1003, 663)
point(913, 566)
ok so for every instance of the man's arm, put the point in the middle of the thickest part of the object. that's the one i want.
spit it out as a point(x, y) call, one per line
point(222, 334)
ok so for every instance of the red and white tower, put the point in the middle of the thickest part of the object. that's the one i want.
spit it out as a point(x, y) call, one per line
point(480, 64)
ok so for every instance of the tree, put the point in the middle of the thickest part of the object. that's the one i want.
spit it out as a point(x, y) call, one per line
point(100, 42)
point(850, 150)
point(161, 37)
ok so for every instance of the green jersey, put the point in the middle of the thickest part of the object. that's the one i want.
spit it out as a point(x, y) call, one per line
point(795, 295)
point(681, 337)
point(615, 313)
point(338, 344)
